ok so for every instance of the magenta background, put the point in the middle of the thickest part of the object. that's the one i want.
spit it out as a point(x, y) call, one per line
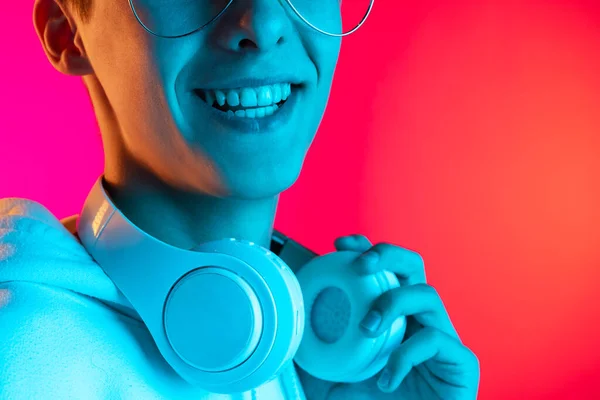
point(466, 130)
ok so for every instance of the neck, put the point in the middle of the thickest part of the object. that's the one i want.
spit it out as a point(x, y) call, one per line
point(186, 220)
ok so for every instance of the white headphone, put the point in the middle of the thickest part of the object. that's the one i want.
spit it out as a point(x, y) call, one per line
point(230, 315)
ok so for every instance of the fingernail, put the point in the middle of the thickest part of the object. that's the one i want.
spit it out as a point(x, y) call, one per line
point(370, 257)
point(371, 321)
point(384, 379)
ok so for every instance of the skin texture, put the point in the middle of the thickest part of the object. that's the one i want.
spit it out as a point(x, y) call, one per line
point(162, 148)
point(185, 178)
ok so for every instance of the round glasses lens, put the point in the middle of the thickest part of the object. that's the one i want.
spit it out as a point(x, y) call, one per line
point(173, 18)
point(335, 17)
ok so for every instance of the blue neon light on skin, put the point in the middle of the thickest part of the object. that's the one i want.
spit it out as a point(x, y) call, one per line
point(187, 176)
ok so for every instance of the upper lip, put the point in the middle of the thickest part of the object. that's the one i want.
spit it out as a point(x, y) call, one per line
point(250, 82)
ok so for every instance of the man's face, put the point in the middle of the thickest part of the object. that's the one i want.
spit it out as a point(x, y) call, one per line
point(258, 53)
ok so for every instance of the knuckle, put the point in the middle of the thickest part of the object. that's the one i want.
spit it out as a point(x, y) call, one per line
point(340, 241)
point(349, 237)
point(390, 304)
point(419, 263)
point(433, 335)
point(432, 295)
point(430, 290)
point(424, 290)
point(344, 240)
point(389, 299)
point(364, 267)
point(362, 239)
point(474, 360)
point(383, 247)
point(419, 258)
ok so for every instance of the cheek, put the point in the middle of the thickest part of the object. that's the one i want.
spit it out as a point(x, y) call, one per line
point(327, 55)
point(122, 55)
point(331, 53)
point(323, 52)
point(132, 84)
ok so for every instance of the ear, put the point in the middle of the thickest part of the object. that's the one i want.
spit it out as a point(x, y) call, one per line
point(60, 38)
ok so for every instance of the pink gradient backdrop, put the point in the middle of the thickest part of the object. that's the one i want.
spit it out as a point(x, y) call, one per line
point(474, 138)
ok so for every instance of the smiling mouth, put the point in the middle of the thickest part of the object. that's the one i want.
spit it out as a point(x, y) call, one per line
point(248, 102)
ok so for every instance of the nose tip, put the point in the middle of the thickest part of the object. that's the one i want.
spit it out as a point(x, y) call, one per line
point(258, 44)
point(262, 25)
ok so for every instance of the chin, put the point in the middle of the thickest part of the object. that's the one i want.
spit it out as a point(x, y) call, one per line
point(262, 182)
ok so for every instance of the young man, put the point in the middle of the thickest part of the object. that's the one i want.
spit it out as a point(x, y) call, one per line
point(206, 109)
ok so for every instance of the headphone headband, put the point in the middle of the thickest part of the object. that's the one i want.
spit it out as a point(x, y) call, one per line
point(226, 316)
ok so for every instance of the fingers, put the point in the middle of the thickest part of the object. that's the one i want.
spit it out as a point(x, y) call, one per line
point(430, 334)
point(429, 344)
point(406, 264)
point(358, 243)
point(420, 301)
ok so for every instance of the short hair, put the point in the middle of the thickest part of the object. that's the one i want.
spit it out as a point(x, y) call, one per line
point(82, 7)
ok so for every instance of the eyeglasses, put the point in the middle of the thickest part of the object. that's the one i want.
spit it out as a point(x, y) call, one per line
point(178, 18)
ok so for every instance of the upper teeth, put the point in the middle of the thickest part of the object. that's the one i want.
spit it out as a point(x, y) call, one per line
point(262, 96)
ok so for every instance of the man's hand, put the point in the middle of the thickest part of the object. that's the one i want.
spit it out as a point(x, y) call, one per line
point(431, 363)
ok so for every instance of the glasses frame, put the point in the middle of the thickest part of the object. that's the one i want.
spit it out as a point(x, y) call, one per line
point(289, 2)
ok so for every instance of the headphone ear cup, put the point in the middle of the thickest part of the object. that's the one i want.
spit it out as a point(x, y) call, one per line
point(226, 316)
point(336, 300)
point(287, 327)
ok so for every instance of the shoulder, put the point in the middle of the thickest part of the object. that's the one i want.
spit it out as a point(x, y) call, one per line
point(57, 344)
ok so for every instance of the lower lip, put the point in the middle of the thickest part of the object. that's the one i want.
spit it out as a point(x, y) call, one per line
point(266, 124)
